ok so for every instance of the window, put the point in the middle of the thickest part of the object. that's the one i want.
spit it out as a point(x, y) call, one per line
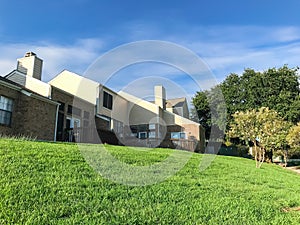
point(6, 106)
point(107, 100)
point(178, 135)
point(152, 134)
point(72, 123)
point(70, 109)
point(152, 126)
point(104, 122)
point(74, 110)
point(142, 135)
point(61, 106)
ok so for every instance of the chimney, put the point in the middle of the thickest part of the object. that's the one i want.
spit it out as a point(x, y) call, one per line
point(30, 65)
point(160, 96)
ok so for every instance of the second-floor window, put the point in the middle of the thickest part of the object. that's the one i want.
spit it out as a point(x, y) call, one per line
point(107, 100)
point(6, 107)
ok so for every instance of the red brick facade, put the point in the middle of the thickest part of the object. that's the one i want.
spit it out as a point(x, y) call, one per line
point(33, 116)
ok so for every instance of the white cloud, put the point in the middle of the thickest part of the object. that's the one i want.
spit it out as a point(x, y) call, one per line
point(75, 57)
point(231, 49)
point(223, 50)
point(286, 34)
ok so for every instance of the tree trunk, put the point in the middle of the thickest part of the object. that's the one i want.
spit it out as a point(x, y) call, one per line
point(262, 158)
point(285, 156)
point(256, 154)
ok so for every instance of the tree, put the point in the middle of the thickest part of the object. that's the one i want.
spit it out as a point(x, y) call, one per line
point(281, 90)
point(202, 109)
point(245, 126)
point(293, 140)
point(263, 127)
point(293, 137)
point(211, 109)
point(277, 89)
point(273, 132)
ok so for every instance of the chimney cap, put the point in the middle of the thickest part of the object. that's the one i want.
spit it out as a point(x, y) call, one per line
point(28, 54)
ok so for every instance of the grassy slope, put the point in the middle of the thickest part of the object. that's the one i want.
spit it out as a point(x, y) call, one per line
point(44, 183)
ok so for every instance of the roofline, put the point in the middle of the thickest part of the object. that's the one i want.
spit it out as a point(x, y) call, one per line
point(10, 85)
point(65, 70)
point(27, 92)
point(14, 71)
point(170, 99)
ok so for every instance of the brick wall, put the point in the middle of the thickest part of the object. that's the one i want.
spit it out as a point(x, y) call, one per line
point(87, 123)
point(31, 117)
point(12, 94)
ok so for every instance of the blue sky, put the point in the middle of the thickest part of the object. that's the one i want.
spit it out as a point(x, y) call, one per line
point(227, 35)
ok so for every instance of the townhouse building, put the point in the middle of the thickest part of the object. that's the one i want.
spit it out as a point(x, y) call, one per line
point(75, 108)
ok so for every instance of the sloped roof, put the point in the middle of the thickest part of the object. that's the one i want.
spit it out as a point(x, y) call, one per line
point(10, 82)
point(176, 102)
point(21, 88)
point(76, 85)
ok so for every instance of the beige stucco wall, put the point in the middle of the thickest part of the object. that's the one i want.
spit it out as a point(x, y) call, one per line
point(76, 85)
point(120, 105)
point(38, 86)
point(127, 108)
point(139, 111)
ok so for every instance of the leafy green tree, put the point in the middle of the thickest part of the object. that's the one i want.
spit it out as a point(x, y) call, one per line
point(293, 140)
point(273, 131)
point(211, 109)
point(281, 92)
point(263, 127)
point(246, 127)
point(293, 137)
point(277, 89)
point(202, 109)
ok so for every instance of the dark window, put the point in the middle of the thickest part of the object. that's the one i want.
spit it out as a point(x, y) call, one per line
point(142, 135)
point(68, 123)
point(61, 106)
point(86, 115)
point(74, 110)
point(107, 100)
point(70, 109)
point(6, 106)
point(104, 122)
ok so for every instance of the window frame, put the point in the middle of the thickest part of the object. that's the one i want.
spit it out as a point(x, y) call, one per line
point(180, 135)
point(6, 108)
point(107, 100)
point(141, 135)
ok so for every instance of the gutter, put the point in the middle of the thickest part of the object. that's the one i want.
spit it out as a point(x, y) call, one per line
point(56, 120)
point(14, 87)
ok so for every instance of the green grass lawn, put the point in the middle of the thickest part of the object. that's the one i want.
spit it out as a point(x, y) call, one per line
point(46, 183)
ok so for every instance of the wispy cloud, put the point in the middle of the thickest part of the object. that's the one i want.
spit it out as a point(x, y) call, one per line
point(75, 57)
point(224, 49)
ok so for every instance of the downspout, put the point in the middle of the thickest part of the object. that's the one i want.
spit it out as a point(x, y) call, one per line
point(56, 120)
